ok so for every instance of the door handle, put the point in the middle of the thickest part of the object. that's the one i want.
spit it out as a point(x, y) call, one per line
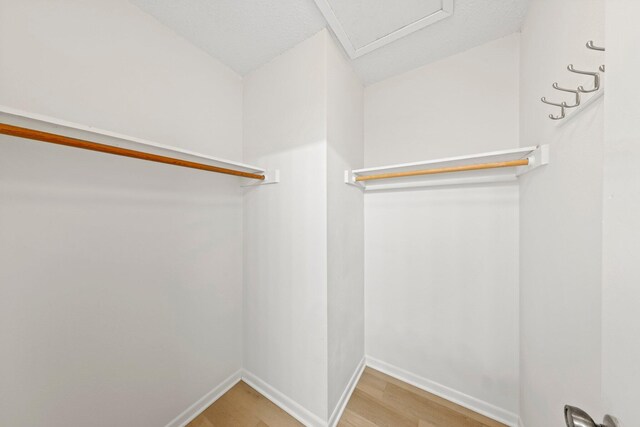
point(576, 417)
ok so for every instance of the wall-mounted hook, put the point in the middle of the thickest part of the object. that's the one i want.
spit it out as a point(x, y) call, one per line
point(562, 106)
point(591, 46)
point(574, 91)
point(595, 75)
point(560, 117)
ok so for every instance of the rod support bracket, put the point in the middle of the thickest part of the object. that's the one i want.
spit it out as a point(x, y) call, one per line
point(270, 177)
point(350, 179)
point(539, 157)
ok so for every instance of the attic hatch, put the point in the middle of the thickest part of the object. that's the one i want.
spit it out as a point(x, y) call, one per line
point(365, 25)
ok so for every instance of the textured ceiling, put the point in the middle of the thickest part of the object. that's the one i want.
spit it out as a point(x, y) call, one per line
point(245, 34)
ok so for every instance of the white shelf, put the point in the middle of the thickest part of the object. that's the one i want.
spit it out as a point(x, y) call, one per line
point(43, 123)
point(537, 156)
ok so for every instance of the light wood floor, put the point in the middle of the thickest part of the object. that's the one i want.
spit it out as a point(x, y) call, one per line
point(242, 406)
point(378, 400)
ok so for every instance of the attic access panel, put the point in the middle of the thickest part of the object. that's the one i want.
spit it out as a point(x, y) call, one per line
point(365, 25)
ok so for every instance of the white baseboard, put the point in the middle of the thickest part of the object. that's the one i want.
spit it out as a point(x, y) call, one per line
point(346, 395)
point(285, 403)
point(205, 401)
point(469, 402)
point(310, 419)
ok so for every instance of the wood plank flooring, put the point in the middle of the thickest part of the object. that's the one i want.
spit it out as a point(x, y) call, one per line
point(242, 406)
point(378, 401)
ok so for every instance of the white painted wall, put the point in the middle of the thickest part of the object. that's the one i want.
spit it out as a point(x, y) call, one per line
point(141, 80)
point(560, 217)
point(285, 227)
point(345, 216)
point(441, 264)
point(621, 233)
point(304, 258)
point(442, 109)
point(121, 280)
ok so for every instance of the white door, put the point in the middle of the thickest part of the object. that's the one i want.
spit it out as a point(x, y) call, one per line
point(621, 216)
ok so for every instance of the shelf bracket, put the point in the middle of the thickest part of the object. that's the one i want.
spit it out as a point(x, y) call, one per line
point(350, 179)
point(270, 177)
point(538, 157)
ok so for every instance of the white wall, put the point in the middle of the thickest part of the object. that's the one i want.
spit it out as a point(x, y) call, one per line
point(621, 234)
point(345, 216)
point(112, 66)
point(121, 280)
point(446, 108)
point(560, 217)
point(304, 262)
point(441, 264)
point(285, 227)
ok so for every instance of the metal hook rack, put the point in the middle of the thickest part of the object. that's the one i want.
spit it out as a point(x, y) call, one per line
point(597, 86)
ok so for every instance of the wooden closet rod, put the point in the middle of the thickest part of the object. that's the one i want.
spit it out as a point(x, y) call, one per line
point(53, 138)
point(476, 167)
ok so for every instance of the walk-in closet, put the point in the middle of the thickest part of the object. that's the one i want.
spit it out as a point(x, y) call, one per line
point(243, 213)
